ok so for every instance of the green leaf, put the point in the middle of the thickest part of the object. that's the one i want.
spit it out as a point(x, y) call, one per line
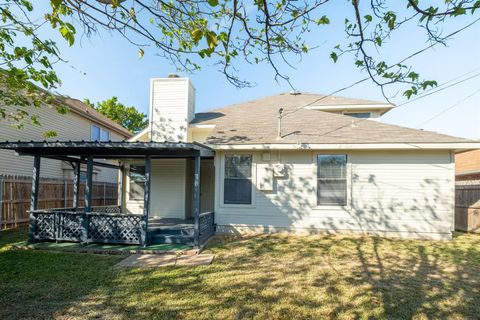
point(140, 53)
point(413, 75)
point(197, 34)
point(213, 3)
point(334, 56)
point(323, 20)
point(49, 134)
point(212, 40)
point(368, 18)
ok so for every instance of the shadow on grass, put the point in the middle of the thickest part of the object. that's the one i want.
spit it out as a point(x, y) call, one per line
point(256, 277)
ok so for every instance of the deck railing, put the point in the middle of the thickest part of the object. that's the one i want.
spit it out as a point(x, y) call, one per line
point(206, 226)
point(102, 225)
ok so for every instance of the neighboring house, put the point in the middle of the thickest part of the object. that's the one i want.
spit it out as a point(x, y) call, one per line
point(320, 165)
point(80, 123)
point(467, 167)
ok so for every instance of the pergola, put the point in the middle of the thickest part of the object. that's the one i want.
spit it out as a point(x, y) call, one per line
point(89, 225)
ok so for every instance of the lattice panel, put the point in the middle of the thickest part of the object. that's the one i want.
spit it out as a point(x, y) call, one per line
point(206, 226)
point(45, 226)
point(107, 209)
point(115, 229)
point(70, 226)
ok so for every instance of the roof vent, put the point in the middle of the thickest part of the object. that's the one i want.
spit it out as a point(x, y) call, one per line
point(173, 75)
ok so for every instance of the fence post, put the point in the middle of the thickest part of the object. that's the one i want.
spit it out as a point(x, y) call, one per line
point(1, 202)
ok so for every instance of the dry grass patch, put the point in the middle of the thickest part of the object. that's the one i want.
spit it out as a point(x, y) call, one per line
point(261, 277)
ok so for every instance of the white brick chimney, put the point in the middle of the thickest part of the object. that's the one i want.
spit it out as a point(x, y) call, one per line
point(172, 107)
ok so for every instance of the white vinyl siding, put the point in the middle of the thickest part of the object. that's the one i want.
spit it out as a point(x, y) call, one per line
point(404, 193)
point(168, 189)
point(68, 127)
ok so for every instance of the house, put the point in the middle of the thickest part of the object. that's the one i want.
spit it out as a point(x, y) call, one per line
point(302, 163)
point(80, 123)
point(467, 167)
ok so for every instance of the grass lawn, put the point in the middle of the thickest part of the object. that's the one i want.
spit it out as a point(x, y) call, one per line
point(261, 277)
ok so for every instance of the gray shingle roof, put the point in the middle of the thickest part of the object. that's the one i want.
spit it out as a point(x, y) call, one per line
point(255, 122)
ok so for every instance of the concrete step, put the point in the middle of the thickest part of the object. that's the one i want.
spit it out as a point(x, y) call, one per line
point(170, 239)
point(168, 230)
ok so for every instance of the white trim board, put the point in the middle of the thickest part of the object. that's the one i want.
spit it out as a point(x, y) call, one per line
point(349, 146)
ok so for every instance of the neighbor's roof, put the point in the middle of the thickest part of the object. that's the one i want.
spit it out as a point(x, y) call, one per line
point(81, 109)
point(255, 122)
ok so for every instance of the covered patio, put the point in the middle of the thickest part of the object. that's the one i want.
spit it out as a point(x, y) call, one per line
point(110, 224)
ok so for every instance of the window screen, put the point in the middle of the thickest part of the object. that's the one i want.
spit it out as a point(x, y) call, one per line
point(95, 133)
point(137, 182)
point(332, 179)
point(363, 115)
point(99, 134)
point(238, 179)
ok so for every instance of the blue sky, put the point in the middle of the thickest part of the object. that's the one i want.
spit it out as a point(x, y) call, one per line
point(106, 65)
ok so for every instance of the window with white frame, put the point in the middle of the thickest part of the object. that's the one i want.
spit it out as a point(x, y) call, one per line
point(137, 182)
point(332, 179)
point(361, 115)
point(99, 134)
point(237, 184)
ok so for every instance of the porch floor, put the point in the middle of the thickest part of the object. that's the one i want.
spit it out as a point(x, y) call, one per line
point(169, 223)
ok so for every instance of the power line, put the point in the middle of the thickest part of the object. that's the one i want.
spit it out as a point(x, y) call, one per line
point(400, 62)
point(440, 89)
point(449, 108)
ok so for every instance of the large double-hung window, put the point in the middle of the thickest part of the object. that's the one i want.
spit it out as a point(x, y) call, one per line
point(237, 184)
point(332, 179)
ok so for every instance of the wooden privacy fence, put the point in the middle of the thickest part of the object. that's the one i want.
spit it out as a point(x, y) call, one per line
point(15, 194)
point(467, 208)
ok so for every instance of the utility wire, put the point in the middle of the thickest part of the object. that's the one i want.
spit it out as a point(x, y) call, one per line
point(449, 108)
point(451, 80)
point(367, 78)
point(440, 89)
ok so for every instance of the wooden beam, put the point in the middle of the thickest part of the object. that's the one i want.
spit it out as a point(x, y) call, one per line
point(121, 187)
point(74, 160)
point(34, 197)
point(88, 198)
point(76, 184)
point(88, 185)
point(196, 200)
point(146, 199)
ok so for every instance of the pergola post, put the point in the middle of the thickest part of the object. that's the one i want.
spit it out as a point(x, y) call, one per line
point(146, 199)
point(122, 189)
point(76, 185)
point(34, 197)
point(196, 200)
point(88, 198)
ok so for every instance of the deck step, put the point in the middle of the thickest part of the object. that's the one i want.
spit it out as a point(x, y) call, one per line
point(170, 239)
point(182, 231)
